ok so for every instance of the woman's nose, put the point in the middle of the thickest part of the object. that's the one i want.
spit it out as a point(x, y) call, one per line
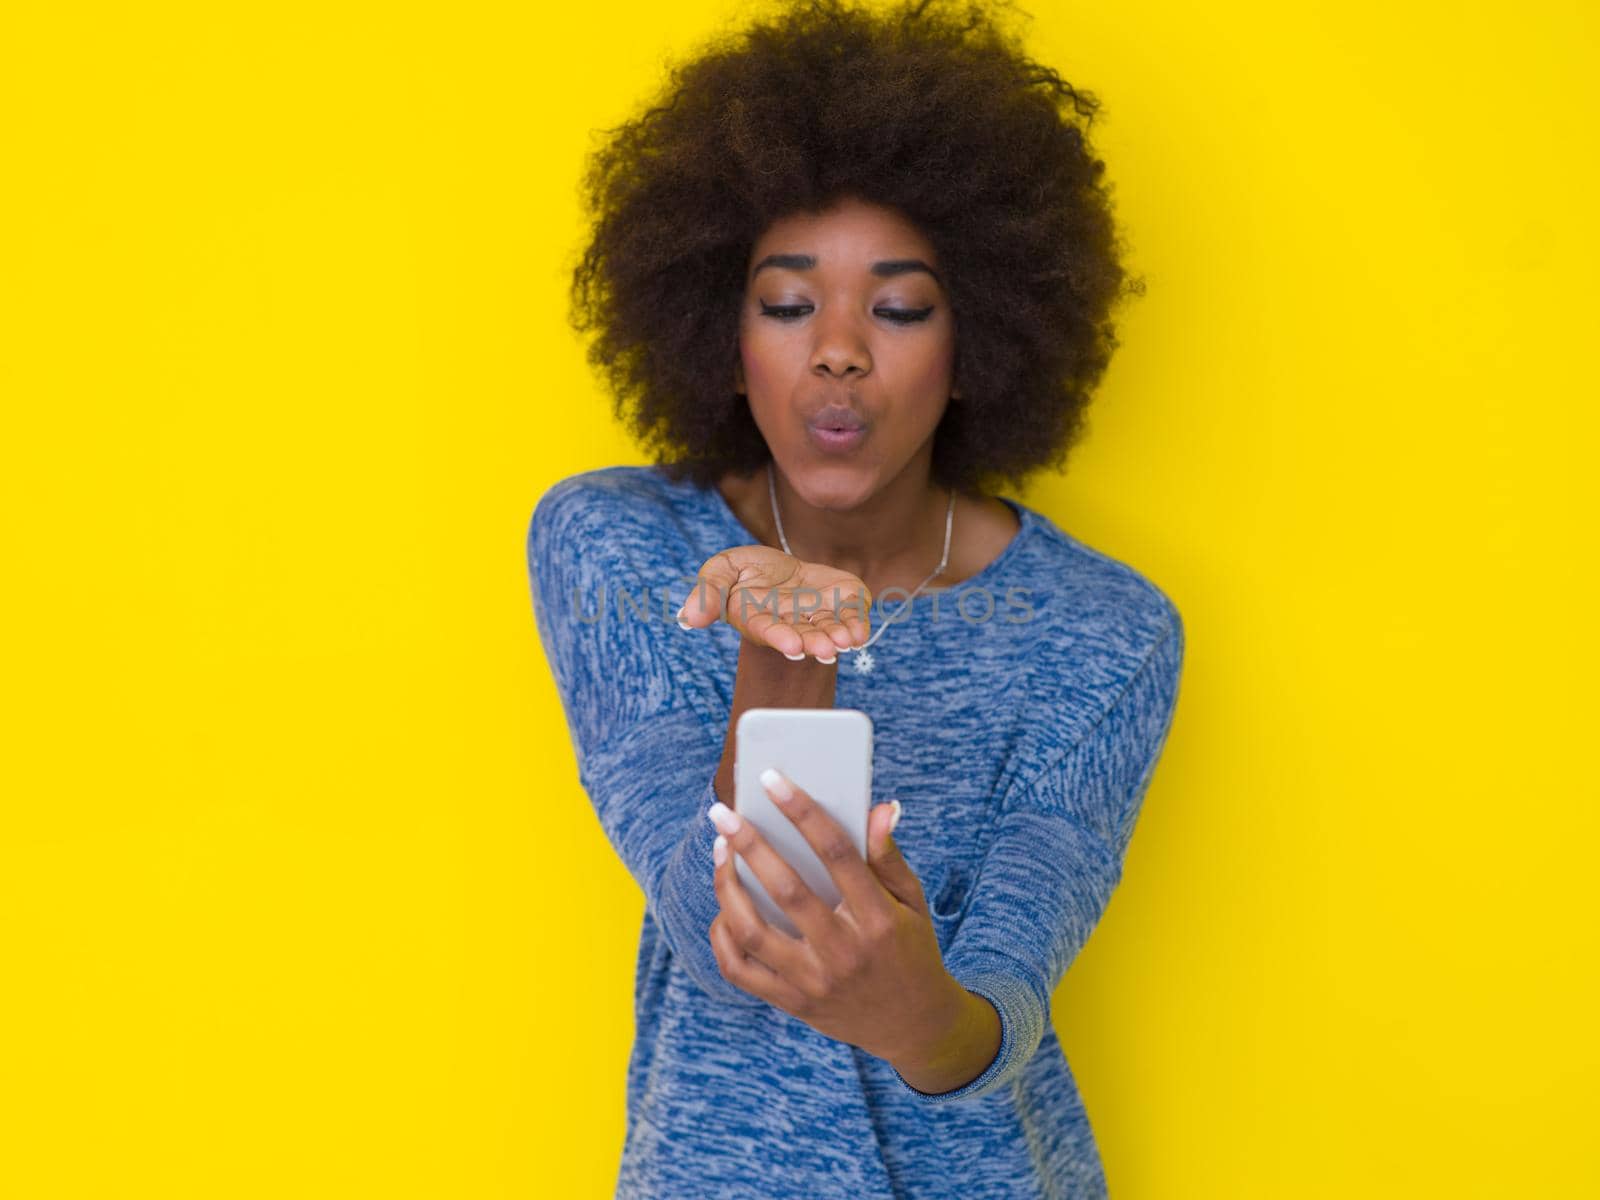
point(840, 349)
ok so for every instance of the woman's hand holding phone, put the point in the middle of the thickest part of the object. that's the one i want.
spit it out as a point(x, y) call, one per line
point(867, 971)
point(779, 601)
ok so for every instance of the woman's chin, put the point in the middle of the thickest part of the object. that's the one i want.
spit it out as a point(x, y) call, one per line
point(836, 487)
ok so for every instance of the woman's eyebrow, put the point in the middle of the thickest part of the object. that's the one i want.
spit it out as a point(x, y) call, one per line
point(805, 262)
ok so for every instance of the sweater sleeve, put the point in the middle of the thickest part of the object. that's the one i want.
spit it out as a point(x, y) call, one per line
point(644, 753)
point(1056, 857)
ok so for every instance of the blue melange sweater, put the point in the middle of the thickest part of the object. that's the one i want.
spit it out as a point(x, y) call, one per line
point(1020, 745)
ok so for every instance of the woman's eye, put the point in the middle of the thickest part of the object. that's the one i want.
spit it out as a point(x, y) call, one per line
point(784, 312)
point(904, 316)
point(792, 312)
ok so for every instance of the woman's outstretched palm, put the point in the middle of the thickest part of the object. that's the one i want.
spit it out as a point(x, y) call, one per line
point(777, 600)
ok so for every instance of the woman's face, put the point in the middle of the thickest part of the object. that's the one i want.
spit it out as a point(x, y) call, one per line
point(845, 324)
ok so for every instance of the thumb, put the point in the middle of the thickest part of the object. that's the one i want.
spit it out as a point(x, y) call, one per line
point(713, 583)
point(883, 855)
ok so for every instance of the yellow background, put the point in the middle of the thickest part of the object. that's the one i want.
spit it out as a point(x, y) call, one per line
point(298, 893)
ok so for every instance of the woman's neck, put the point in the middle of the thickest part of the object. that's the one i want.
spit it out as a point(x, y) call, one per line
point(892, 539)
point(897, 531)
point(982, 529)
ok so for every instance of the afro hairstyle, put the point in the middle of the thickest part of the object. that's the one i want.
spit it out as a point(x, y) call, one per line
point(929, 108)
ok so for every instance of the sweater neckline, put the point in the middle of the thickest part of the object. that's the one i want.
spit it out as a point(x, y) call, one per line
point(1026, 517)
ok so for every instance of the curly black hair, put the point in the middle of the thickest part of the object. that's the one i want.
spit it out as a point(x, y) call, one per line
point(931, 109)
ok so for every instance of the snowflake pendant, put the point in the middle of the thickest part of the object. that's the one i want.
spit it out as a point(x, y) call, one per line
point(863, 662)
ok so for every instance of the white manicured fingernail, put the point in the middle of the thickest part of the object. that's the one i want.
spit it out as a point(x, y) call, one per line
point(894, 815)
point(724, 818)
point(828, 662)
point(719, 850)
point(682, 624)
point(795, 657)
point(775, 783)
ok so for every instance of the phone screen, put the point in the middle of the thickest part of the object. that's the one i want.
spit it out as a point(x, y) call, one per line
point(826, 751)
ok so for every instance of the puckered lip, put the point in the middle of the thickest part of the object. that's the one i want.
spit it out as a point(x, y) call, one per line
point(836, 416)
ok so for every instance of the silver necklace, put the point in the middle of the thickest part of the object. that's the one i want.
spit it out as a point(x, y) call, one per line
point(864, 660)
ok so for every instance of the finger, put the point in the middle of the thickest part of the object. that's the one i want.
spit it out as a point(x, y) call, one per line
point(853, 607)
point(831, 844)
point(817, 643)
point(764, 616)
point(708, 599)
point(802, 608)
point(834, 629)
point(756, 938)
point(761, 625)
point(814, 919)
point(749, 974)
point(886, 861)
point(798, 607)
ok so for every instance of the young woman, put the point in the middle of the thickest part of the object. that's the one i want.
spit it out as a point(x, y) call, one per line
point(852, 272)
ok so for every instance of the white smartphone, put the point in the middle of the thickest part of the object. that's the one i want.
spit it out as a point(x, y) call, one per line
point(826, 751)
